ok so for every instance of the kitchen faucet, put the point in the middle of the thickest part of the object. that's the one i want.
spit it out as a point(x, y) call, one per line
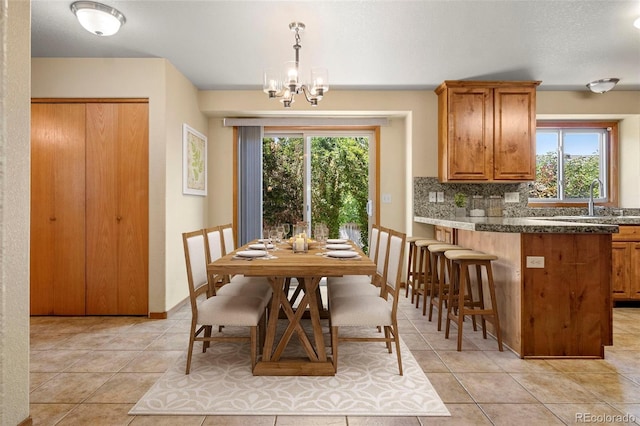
point(591, 208)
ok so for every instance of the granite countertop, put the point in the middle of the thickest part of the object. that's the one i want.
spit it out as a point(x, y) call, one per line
point(608, 220)
point(528, 225)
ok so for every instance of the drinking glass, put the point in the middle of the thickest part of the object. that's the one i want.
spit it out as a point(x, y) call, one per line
point(287, 228)
point(319, 232)
point(273, 235)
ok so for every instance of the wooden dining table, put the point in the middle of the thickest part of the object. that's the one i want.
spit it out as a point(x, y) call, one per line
point(308, 268)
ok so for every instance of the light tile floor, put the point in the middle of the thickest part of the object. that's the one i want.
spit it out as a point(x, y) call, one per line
point(92, 370)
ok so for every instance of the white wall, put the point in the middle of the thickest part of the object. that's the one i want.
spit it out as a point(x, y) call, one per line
point(184, 213)
point(629, 130)
point(14, 212)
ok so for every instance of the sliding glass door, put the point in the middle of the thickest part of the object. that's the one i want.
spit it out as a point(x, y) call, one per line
point(319, 177)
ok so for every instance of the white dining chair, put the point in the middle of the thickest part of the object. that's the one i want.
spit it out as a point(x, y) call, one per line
point(238, 284)
point(352, 285)
point(372, 311)
point(208, 309)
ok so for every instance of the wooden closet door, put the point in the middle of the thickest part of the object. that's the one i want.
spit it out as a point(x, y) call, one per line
point(133, 190)
point(117, 209)
point(57, 209)
point(102, 210)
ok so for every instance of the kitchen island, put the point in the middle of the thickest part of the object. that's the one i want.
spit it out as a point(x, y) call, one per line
point(552, 278)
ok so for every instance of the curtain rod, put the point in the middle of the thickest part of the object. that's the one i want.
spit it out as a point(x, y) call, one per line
point(306, 121)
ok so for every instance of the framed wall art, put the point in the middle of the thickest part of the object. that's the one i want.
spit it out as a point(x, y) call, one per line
point(194, 162)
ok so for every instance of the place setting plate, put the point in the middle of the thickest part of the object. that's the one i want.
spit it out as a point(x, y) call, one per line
point(343, 254)
point(338, 247)
point(261, 246)
point(250, 254)
point(336, 241)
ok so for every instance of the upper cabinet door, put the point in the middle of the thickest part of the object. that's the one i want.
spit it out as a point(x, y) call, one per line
point(486, 131)
point(470, 130)
point(514, 149)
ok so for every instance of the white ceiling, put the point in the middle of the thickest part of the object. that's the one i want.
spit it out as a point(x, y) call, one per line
point(392, 44)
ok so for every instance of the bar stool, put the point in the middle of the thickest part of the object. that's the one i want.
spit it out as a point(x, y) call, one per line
point(412, 260)
point(423, 271)
point(460, 283)
point(439, 271)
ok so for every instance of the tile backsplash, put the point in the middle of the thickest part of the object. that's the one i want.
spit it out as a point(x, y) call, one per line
point(422, 186)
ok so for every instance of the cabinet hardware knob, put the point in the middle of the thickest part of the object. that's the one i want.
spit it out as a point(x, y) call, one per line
point(118, 218)
point(52, 218)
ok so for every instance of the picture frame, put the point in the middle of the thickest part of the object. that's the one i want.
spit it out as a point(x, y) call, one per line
point(194, 161)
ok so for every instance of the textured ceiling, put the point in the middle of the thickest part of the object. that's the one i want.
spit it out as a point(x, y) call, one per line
point(365, 44)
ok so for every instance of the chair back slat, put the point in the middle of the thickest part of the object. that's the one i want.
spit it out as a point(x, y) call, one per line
point(373, 242)
point(215, 251)
point(383, 246)
point(196, 260)
point(394, 265)
point(214, 244)
point(229, 238)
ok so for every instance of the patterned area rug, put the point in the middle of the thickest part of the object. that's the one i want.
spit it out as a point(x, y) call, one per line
point(221, 383)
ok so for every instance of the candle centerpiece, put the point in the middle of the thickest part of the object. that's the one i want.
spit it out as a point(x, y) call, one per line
point(300, 243)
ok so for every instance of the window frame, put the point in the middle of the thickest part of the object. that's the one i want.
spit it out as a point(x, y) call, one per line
point(611, 159)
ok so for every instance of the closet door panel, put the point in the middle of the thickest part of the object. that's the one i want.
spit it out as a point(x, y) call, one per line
point(102, 209)
point(57, 209)
point(133, 208)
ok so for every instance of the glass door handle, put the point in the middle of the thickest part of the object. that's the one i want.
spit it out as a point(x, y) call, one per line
point(370, 207)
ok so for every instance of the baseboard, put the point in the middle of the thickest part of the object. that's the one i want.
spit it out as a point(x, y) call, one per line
point(170, 312)
point(26, 422)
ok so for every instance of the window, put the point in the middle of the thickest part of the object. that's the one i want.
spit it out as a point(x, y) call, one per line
point(569, 157)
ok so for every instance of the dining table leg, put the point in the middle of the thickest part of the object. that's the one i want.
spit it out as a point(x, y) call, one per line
point(312, 288)
point(277, 283)
point(295, 325)
point(316, 363)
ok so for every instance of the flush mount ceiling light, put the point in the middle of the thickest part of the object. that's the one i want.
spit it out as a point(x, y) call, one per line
point(98, 18)
point(288, 85)
point(603, 85)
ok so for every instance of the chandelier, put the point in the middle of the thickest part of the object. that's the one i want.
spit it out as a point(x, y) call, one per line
point(288, 85)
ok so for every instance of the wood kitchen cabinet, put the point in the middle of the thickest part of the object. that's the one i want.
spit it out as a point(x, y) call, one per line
point(445, 234)
point(486, 131)
point(89, 208)
point(625, 257)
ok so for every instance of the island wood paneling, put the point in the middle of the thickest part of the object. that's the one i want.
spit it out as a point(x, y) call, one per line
point(567, 304)
point(561, 310)
point(506, 276)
